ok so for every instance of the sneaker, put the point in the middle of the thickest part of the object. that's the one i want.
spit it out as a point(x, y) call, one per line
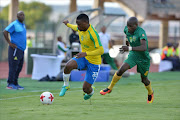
point(150, 98)
point(103, 92)
point(86, 96)
point(12, 86)
point(20, 87)
point(63, 90)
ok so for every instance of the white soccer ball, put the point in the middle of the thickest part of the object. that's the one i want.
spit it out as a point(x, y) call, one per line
point(47, 98)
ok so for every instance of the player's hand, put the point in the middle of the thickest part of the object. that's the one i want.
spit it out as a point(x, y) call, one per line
point(66, 22)
point(123, 49)
point(80, 55)
point(12, 45)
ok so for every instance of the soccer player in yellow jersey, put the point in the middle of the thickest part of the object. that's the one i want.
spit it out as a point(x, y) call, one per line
point(89, 58)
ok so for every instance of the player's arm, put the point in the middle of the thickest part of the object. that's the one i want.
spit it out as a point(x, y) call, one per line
point(97, 44)
point(142, 47)
point(74, 27)
point(127, 42)
point(62, 48)
point(98, 51)
point(165, 52)
point(143, 40)
point(110, 43)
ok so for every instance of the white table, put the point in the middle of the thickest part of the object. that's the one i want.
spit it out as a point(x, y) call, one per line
point(45, 65)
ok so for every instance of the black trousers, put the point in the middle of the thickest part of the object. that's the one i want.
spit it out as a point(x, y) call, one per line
point(15, 59)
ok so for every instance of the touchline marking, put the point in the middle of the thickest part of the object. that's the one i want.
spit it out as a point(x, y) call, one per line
point(33, 95)
point(41, 91)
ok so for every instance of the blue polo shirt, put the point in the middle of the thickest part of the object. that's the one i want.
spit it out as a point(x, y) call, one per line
point(17, 32)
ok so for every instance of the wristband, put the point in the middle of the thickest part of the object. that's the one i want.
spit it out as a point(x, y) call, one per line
point(130, 48)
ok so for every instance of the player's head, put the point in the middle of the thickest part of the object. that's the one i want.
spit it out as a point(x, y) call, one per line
point(59, 38)
point(82, 21)
point(103, 29)
point(29, 37)
point(20, 16)
point(132, 24)
point(169, 44)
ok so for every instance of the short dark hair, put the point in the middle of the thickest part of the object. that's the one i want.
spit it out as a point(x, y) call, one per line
point(83, 17)
point(169, 44)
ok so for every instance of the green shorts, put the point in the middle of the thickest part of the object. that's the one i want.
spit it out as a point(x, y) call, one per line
point(142, 64)
point(109, 60)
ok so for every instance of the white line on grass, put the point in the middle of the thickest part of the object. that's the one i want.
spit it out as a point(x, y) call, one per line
point(41, 91)
point(33, 95)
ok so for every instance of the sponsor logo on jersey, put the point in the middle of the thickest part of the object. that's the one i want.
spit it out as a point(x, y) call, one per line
point(134, 38)
point(82, 37)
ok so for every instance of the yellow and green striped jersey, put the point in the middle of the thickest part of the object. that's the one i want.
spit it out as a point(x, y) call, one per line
point(90, 41)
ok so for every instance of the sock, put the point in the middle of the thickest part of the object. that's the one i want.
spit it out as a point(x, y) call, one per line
point(149, 88)
point(66, 79)
point(115, 79)
point(91, 92)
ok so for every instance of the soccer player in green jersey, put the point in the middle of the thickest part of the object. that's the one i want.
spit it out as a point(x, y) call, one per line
point(138, 55)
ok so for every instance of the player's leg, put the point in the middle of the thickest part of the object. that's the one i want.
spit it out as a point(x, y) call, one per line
point(128, 64)
point(72, 64)
point(90, 78)
point(143, 69)
point(117, 76)
point(147, 84)
point(87, 88)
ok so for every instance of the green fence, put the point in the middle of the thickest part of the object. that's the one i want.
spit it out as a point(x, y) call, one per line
point(3, 43)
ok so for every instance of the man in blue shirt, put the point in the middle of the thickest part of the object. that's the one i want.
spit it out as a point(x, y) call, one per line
point(17, 45)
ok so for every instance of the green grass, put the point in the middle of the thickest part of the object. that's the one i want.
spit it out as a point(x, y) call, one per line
point(126, 102)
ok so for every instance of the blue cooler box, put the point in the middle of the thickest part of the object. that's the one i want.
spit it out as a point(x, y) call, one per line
point(76, 75)
point(105, 67)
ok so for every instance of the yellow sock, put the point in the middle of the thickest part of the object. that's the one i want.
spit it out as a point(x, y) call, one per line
point(149, 88)
point(115, 79)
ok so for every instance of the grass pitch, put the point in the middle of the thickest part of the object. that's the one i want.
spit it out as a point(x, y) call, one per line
point(126, 102)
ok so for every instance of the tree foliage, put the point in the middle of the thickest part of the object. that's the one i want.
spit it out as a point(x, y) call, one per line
point(35, 12)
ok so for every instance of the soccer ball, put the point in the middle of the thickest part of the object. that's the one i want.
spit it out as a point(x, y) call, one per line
point(46, 98)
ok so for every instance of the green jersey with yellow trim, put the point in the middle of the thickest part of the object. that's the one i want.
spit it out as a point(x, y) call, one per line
point(135, 40)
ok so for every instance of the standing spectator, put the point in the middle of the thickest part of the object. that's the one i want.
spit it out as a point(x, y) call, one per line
point(167, 52)
point(176, 56)
point(17, 45)
point(73, 37)
point(176, 49)
point(61, 47)
point(29, 41)
point(106, 41)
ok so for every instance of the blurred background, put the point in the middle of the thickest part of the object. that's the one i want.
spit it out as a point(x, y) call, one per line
point(43, 18)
